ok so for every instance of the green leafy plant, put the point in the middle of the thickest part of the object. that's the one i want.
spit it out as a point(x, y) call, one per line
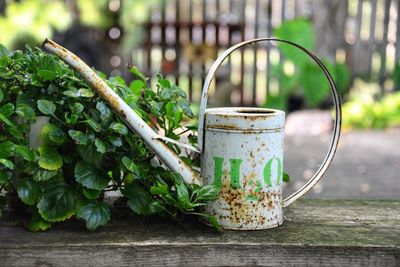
point(364, 111)
point(306, 74)
point(85, 149)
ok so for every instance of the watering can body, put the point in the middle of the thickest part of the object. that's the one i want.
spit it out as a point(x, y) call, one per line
point(243, 156)
point(241, 148)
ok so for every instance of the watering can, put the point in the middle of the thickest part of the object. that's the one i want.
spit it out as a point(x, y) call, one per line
point(241, 148)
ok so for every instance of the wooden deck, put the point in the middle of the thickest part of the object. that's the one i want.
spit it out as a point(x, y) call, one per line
point(315, 233)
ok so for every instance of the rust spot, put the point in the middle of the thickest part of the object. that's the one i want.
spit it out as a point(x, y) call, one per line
point(225, 127)
point(122, 113)
point(246, 206)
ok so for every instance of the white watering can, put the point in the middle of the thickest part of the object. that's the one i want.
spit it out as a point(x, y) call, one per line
point(241, 148)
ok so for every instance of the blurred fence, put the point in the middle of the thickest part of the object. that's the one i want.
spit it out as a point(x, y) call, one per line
point(184, 37)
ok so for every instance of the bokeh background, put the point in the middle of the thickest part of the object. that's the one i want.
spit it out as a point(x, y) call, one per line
point(358, 40)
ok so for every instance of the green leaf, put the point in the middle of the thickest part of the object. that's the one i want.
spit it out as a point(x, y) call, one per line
point(85, 92)
point(100, 146)
point(105, 112)
point(130, 165)
point(6, 148)
point(214, 222)
point(57, 203)
point(185, 106)
point(94, 213)
point(159, 189)
point(165, 83)
point(49, 158)
point(71, 93)
point(46, 107)
point(79, 137)
point(299, 31)
point(28, 191)
point(1, 95)
point(7, 163)
point(70, 118)
point(91, 193)
point(139, 200)
point(25, 111)
point(183, 196)
point(51, 134)
point(47, 75)
point(115, 141)
point(41, 175)
point(5, 177)
point(170, 107)
point(136, 86)
point(25, 152)
point(166, 94)
point(94, 125)
point(208, 193)
point(77, 108)
point(38, 174)
point(7, 110)
point(3, 51)
point(37, 223)
point(286, 177)
point(89, 154)
point(135, 71)
point(6, 120)
point(119, 128)
point(89, 176)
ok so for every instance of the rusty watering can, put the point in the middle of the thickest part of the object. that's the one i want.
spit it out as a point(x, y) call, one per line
point(241, 148)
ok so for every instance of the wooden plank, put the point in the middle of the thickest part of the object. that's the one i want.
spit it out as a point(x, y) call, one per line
point(242, 58)
point(382, 70)
point(163, 7)
point(315, 232)
point(397, 44)
point(268, 46)
point(357, 45)
point(177, 46)
point(255, 51)
point(190, 40)
point(371, 40)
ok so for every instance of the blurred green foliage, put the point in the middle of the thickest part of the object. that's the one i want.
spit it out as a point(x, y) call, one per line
point(94, 13)
point(32, 21)
point(363, 111)
point(306, 75)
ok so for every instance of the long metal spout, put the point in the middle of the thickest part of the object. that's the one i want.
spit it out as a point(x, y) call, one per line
point(166, 155)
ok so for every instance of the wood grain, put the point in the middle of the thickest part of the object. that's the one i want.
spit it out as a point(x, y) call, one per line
point(315, 232)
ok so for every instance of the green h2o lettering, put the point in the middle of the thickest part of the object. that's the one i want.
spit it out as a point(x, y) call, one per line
point(235, 172)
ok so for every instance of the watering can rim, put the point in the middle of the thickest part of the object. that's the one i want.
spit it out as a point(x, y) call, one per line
point(244, 111)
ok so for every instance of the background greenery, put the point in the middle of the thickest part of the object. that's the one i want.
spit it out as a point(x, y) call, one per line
point(29, 22)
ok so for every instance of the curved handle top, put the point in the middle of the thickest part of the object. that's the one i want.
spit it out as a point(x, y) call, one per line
point(336, 100)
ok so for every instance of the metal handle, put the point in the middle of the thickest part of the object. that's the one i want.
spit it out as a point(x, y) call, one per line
point(336, 100)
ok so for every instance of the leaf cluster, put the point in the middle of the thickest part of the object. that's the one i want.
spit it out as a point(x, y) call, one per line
point(84, 149)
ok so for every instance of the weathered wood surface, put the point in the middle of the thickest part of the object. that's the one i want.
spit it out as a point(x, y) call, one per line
point(316, 232)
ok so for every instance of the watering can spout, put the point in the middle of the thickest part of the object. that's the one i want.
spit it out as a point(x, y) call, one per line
point(152, 139)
